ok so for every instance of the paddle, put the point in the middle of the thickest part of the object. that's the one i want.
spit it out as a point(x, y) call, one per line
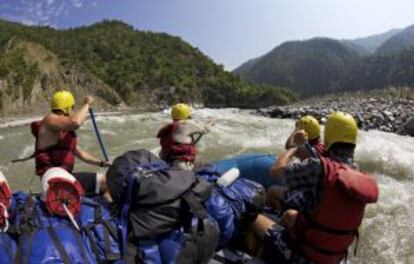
point(23, 159)
point(198, 138)
point(98, 135)
point(311, 150)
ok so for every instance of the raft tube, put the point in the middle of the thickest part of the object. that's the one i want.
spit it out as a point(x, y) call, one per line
point(252, 166)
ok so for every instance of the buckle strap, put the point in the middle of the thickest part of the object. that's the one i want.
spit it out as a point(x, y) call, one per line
point(195, 206)
point(326, 251)
point(81, 246)
point(112, 230)
point(311, 223)
point(110, 255)
point(93, 243)
point(59, 246)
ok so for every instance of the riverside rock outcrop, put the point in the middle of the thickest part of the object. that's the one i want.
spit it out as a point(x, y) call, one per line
point(30, 74)
point(386, 114)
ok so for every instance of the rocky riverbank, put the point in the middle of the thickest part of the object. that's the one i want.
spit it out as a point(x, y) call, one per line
point(387, 114)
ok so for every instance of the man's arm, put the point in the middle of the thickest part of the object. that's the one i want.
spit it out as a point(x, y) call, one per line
point(88, 158)
point(290, 143)
point(194, 128)
point(186, 130)
point(278, 168)
point(69, 123)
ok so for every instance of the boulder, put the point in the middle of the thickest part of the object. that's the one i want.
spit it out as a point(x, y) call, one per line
point(409, 126)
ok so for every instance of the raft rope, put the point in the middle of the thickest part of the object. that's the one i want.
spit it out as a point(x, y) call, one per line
point(71, 217)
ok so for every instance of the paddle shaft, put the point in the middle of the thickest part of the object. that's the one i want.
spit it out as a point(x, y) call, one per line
point(311, 150)
point(98, 135)
point(198, 138)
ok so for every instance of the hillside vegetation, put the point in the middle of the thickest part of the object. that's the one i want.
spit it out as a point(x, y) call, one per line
point(139, 69)
point(323, 66)
point(312, 67)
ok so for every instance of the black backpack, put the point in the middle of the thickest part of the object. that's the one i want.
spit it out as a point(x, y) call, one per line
point(155, 199)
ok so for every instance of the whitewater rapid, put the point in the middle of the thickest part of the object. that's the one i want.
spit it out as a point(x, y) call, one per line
point(386, 234)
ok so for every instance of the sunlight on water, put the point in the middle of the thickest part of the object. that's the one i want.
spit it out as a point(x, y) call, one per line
point(386, 234)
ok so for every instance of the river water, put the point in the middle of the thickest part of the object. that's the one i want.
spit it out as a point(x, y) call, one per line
point(387, 233)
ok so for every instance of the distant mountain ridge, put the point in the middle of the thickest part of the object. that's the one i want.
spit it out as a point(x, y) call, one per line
point(372, 43)
point(403, 40)
point(312, 67)
point(321, 65)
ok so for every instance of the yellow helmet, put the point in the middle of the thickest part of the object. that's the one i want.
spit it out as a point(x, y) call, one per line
point(62, 100)
point(340, 127)
point(310, 125)
point(180, 111)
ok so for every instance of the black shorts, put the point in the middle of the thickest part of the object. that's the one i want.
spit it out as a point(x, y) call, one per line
point(88, 180)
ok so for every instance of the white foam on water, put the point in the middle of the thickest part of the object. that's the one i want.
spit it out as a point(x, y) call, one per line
point(166, 111)
point(26, 151)
point(114, 119)
point(107, 132)
point(19, 122)
point(386, 234)
point(248, 131)
point(1, 137)
point(387, 153)
point(5, 170)
point(155, 151)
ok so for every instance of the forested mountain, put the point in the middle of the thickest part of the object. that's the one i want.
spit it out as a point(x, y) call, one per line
point(359, 49)
point(372, 43)
point(311, 67)
point(402, 40)
point(322, 66)
point(135, 68)
point(382, 71)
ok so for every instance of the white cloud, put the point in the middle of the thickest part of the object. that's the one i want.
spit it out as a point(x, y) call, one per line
point(77, 3)
point(42, 12)
point(25, 21)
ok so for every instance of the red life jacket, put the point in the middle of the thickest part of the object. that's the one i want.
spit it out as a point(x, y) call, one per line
point(318, 146)
point(172, 150)
point(324, 235)
point(59, 155)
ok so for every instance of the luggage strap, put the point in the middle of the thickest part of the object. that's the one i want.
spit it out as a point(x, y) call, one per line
point(31, 223)
point(108, 231)
point(195, 206)
point(59, 246)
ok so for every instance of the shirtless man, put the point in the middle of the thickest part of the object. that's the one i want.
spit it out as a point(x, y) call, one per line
point(56, 140)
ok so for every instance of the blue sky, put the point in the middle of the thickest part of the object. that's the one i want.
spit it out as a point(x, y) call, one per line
point(228, 31)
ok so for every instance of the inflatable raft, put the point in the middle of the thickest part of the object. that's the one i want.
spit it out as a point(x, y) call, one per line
point(59, 239)
point(252, 166)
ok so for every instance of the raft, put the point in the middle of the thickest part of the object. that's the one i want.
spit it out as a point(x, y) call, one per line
point(252, 166)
